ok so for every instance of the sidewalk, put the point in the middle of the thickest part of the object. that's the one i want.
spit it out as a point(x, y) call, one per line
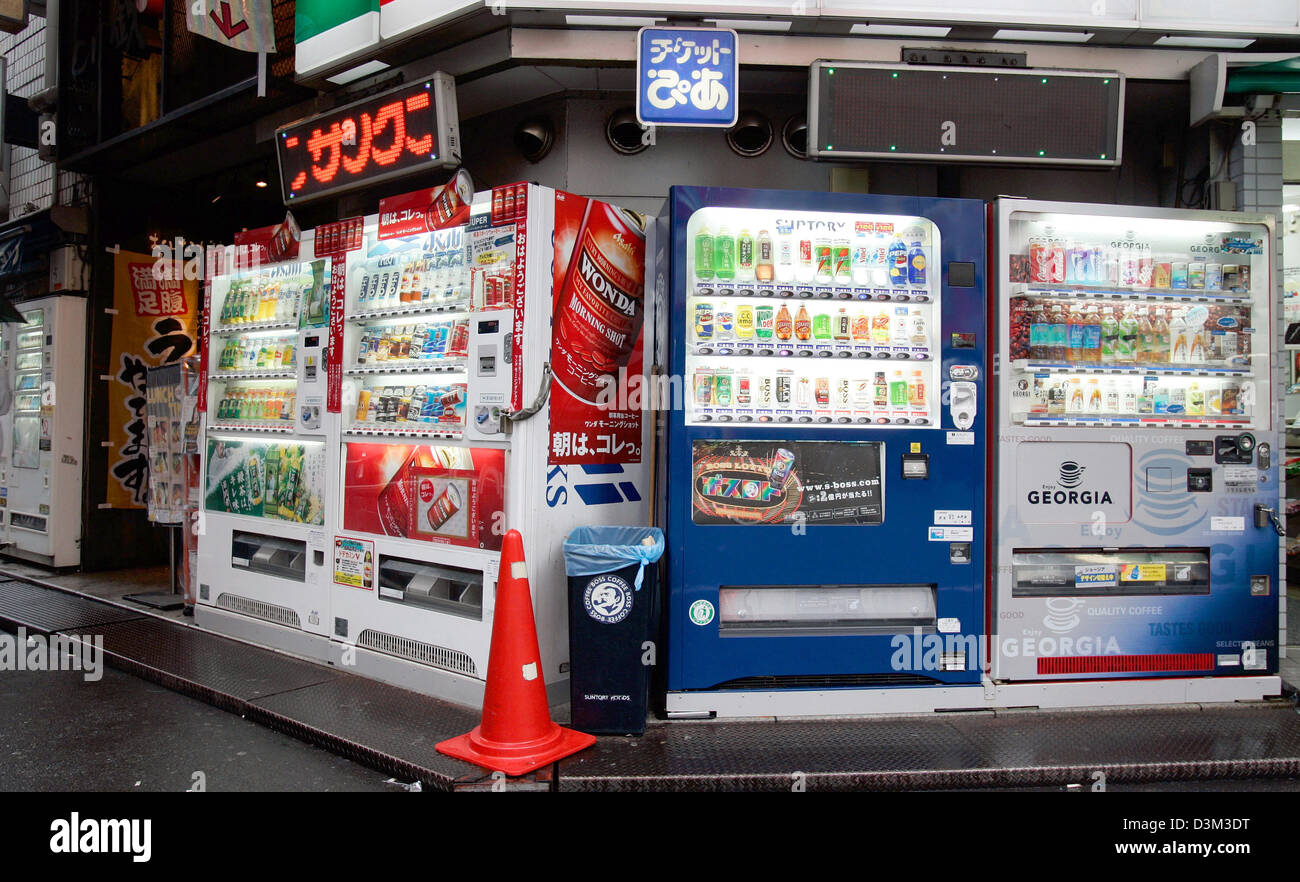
point(395, 731)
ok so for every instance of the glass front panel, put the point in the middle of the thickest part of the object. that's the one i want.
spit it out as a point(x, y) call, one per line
point(1137, 321)
point(811, 317)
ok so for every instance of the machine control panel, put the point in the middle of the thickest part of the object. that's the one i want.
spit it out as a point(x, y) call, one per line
point(489, 372)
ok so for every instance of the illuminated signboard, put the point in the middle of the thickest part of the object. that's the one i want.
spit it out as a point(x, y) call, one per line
point(860, 110)
point(409, 129)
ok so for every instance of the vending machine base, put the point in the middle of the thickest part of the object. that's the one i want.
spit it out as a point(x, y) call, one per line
point(293, 641)
point(988, 696)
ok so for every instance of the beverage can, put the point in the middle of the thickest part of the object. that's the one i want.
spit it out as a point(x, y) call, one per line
point(437, 511)
point(724, 325)
point(782, 463)
point(764, 322)
point(703, 388)
point(600, 306)
point(784, 380)
point(745, 321)
point(722, 389)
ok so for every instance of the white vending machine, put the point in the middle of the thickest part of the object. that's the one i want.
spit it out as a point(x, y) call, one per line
point(449, 434)
point(41, 457)
point(270, 452)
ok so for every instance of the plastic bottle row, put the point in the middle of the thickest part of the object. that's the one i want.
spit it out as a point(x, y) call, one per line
point(430, 407)
point(784, 389)
point(423, 341)
point(1053, 260)
point(265, 404)
point(875, 259)
point(410, 279)
point(726, 322)
point(256, 354)
point(260, 300)
point(1066, 396)
point(1094, 333)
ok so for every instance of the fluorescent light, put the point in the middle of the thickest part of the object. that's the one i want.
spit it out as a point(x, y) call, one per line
point(610, 21)
point(1205, 42)
point(356, 73)
point(892, 30)
point(1043, 36)
point(745, 24)
point(1290, 207)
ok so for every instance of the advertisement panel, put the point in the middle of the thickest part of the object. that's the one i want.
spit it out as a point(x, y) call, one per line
point(267, 479)
point(783, 482)
point(597, 347)
point(155, 323)
point(445, 494)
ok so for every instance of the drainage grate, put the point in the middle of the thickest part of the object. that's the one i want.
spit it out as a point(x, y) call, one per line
point(258, 609)
point(417, 651)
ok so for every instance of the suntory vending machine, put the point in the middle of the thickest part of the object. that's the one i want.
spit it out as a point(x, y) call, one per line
point(824, 476)
point(41, 448)
point(460, 422)
point(270, 454)
point(1138, 425)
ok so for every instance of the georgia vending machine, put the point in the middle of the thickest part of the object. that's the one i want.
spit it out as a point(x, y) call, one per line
point(41, 447)
point(458, 424)
point(1137, 493)
point(270, 454)
point(824, 480)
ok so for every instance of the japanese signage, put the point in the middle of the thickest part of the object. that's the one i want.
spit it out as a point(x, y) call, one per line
point(239, 24)
point(424, 211)
point(686, 77)
point(155, 323)
point(336, 240)
point(409, 129)
point(354, 562)
point(597, 339)
point(266, 479)
point(787, 482)
point(449, 495)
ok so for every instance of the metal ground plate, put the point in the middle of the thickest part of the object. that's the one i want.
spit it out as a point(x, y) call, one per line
point(1017, 749)
point(371, 721)
point(224, 672)
point(47, 610)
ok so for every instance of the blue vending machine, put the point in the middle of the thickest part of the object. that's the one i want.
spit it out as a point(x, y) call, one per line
point(824, 477)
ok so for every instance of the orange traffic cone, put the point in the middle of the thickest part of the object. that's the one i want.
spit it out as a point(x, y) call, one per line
point(516, 734)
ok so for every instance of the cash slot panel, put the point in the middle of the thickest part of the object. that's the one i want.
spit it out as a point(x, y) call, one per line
point(1111, 573)
point(269, 555)
point(773, 610)
point(436, 586)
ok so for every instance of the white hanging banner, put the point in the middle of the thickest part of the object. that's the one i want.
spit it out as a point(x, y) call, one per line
point(246, 25)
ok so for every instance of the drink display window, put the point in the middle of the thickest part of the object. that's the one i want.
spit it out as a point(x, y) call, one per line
point(812, 317)
point(408, 328)
point(1137, 322)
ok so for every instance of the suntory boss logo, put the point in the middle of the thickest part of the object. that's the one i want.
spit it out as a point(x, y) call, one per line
point(1069, 489)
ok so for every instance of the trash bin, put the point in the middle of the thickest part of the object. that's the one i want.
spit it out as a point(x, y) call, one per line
point(613, 598)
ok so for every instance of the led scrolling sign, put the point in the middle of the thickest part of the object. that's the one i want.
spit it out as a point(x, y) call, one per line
point(412, 128)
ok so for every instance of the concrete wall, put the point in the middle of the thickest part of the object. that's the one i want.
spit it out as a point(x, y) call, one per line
point(582, 162)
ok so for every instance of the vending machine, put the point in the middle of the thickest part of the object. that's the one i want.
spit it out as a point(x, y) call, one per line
point(1137, 491)
point(41, 447)
point(450, 400)
point(824, 478)
point(270, 455)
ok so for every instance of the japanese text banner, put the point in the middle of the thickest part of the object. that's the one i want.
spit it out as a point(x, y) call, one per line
point(155, 324)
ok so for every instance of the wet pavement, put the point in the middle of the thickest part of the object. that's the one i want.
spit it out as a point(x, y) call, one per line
point(122, 733)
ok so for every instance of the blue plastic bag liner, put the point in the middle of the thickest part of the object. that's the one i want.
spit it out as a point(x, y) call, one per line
point(590, 551)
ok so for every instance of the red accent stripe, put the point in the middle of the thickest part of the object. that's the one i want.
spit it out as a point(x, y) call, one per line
point(1126, 664)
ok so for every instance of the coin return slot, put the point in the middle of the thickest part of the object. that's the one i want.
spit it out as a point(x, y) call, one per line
point(825, 609)
point(435, 586)
point(269, 555)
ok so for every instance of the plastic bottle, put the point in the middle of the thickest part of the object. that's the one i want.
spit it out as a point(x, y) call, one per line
point(704, 255)
point(898, 262)
point(763, 269)
point(916, 264)
point(802, 324)
point(745, 256)
point(724, 255)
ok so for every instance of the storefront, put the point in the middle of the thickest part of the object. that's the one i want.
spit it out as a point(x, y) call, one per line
point(549, 97)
